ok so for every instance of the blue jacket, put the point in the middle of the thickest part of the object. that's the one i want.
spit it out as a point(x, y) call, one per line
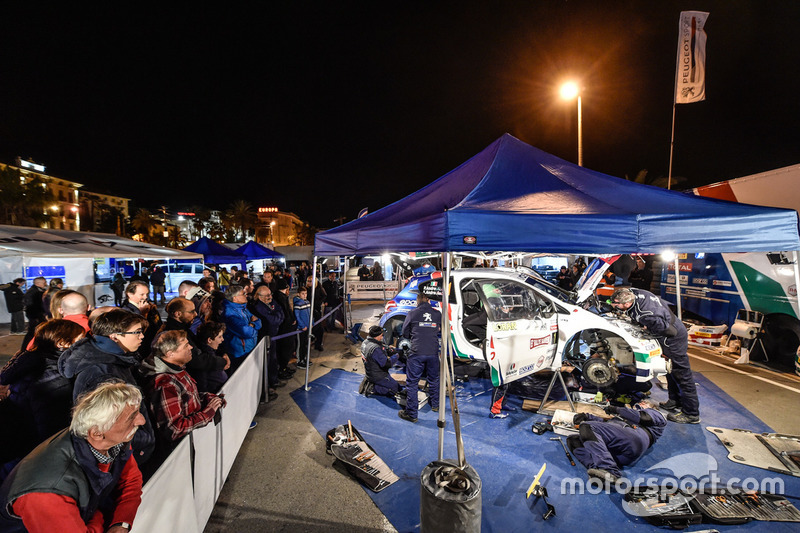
point(422, 326)
point(241, 334)
point(302, 312)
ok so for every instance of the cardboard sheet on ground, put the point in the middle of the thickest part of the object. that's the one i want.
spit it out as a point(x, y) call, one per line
point(507, 456)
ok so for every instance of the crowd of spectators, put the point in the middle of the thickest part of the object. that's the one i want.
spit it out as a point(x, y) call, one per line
point(178, 357)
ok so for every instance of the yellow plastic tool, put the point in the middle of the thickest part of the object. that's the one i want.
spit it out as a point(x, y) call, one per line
point(535, 481)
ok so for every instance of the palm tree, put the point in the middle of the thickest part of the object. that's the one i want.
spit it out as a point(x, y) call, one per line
point(23, 204)
point(243, 217)
point(304, 234)
point(143, 223)
point(177, 239)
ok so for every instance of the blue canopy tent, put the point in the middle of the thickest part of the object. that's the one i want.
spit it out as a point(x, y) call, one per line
point(252, 250)
point(514, 197)
point(216, 253)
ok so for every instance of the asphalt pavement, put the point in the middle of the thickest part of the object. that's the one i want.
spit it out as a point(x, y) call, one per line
point(283, 480)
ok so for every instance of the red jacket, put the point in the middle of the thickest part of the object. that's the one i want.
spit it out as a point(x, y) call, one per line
point(43, 512)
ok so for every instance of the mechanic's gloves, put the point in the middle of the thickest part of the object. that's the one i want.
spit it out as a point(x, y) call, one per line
point(579, 418)
point(611, 410)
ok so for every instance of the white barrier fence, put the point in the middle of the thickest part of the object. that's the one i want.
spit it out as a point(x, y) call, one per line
point(181, 495)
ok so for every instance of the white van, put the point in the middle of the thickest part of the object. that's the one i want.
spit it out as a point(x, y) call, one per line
point(180, 272)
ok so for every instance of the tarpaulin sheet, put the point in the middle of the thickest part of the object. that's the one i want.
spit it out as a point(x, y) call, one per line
point(507, 456)
point(37, 242)
point(514, 197)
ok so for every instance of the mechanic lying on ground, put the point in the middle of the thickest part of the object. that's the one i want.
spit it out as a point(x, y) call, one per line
point(606, 445)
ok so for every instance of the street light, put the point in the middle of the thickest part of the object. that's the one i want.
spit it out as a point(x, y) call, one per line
point(271, 236)
point(569, 91)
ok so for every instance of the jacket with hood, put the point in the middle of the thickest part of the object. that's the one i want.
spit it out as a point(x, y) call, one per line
point(94, 360)
point(39, 390)
point(241, 334)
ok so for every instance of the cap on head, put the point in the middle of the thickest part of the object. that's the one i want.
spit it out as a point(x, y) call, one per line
point(622, 296)
point(375, 331)
point(197, 296)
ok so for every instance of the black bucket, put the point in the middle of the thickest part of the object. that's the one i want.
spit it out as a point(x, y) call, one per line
point(450, 498)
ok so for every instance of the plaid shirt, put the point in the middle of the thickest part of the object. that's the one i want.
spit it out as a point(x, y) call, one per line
point(177, 406)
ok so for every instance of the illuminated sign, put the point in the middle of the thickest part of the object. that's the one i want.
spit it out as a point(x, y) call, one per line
point(32, 166)
point(267, 209)
point(185, 214)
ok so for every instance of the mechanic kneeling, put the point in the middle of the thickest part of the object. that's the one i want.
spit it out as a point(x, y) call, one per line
point(603, 446)
point(377, 364)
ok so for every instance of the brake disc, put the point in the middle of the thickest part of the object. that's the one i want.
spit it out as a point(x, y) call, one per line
point(598, 373)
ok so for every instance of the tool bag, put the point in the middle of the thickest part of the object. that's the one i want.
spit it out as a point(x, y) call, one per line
point(359, 458)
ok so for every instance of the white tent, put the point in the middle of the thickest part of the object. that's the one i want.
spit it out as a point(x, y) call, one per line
point(23, 249)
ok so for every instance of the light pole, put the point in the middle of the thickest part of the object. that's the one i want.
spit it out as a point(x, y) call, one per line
point(271, 236)
point(569, 91)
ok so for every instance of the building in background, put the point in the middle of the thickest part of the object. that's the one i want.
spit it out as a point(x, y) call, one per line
point(279, 228)
point(60, 204)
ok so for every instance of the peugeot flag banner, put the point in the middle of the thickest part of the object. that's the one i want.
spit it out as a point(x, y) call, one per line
point(690, 71)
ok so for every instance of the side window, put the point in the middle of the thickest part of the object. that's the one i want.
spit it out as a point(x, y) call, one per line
point(779, 258)
point(509, 300)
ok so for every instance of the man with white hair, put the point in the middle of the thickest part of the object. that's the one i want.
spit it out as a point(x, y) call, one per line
point(83, 478)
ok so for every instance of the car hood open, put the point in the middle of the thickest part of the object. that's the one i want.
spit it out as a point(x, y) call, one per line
point(593, 275)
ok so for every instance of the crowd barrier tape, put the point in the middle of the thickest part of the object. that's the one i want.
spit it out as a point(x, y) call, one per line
point(298, 332)
point(182, 493)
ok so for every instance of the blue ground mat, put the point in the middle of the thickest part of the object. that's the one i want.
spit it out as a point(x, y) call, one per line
point(507, 456)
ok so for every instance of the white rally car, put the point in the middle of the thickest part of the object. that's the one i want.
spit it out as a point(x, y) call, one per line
point(519, 324)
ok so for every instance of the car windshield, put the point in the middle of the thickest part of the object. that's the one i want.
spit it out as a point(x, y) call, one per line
point(509, 300)
point(533, 278)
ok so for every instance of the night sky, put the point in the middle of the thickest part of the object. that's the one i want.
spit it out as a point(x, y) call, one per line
point(323, 108)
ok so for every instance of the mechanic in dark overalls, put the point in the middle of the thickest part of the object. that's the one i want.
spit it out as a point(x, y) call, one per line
point(654, 314)
point(377, 364)
point(422, 326)
point(603, 446)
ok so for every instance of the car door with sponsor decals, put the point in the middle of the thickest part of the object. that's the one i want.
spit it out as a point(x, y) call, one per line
point(521, 329)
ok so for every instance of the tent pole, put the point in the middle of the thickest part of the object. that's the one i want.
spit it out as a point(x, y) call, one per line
point(311, 312)
point(678, 286)
point(796, 279)
point(347, 318)
point(443, 366)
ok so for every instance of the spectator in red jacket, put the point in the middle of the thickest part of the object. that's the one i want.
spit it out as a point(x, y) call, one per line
point(83, 478)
